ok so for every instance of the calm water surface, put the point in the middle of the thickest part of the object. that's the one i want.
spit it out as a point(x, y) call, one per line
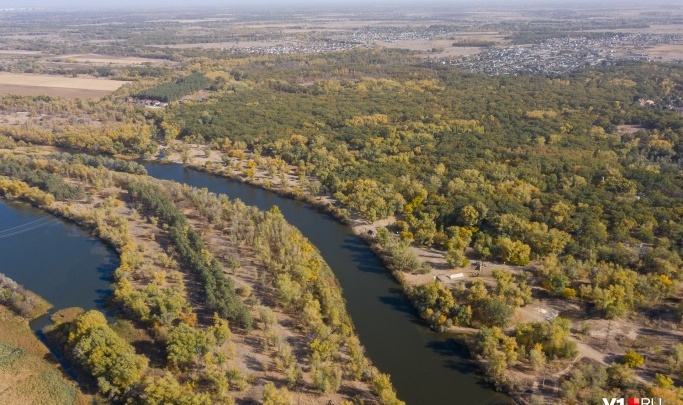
point(426, 367)
point(56, 259)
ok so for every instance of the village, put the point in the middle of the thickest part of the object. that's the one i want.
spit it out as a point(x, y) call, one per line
point(552, 56)
point(562, 55)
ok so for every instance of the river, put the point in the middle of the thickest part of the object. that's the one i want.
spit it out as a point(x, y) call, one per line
point(55, 259)
point(65, 265)
point(426, 367)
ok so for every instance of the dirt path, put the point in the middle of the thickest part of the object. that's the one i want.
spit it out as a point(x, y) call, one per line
point(589, 352)
point(585, 351)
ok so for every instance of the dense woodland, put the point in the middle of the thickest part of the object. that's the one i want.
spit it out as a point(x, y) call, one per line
point(516, 168)
point(175, 90)
point(577, 174)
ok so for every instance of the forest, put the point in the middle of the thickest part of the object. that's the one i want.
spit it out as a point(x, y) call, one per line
point(172, 91)
point(517, 168)
point(576, 176)
point(574, 180)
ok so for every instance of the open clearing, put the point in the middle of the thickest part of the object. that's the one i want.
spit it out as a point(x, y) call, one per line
point(666, 53)
point(59, 82)
point(19, 52)
point(67, 87)
point(51, 91)
point(435, 47)
point(443, 47)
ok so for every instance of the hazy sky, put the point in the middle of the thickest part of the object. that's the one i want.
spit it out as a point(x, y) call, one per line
point(241, 3)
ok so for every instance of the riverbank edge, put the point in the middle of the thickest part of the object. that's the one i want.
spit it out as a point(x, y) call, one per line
point(41, 307)
point(19, 334)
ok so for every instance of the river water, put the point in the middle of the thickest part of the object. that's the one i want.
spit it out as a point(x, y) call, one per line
point(425, 367)
point(55, 259)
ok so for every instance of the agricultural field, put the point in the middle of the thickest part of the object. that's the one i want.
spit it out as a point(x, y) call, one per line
point(12, 52)
point(436, 48)
point(667, 53)
point(65, 87)
point(96, 59)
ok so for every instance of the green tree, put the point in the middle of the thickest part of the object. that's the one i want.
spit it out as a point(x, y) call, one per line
point(633, 359)
point(184, 344)
point(327, 377)
point(621, 376)
point(274, 396)
point(107, 356)
point(495, 312)
point(469, 216)
point(166, 390)
point(381, 386)
point(537, 358)
point(512, 252)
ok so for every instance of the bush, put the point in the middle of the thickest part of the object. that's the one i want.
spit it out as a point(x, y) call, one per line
point(633, 359)
point(275, 396)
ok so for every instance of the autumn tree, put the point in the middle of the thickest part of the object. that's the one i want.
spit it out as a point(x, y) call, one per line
point(110, 360)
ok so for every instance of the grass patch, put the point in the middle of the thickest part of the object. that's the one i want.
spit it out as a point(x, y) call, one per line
point(9, 354)
point(29, 374)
